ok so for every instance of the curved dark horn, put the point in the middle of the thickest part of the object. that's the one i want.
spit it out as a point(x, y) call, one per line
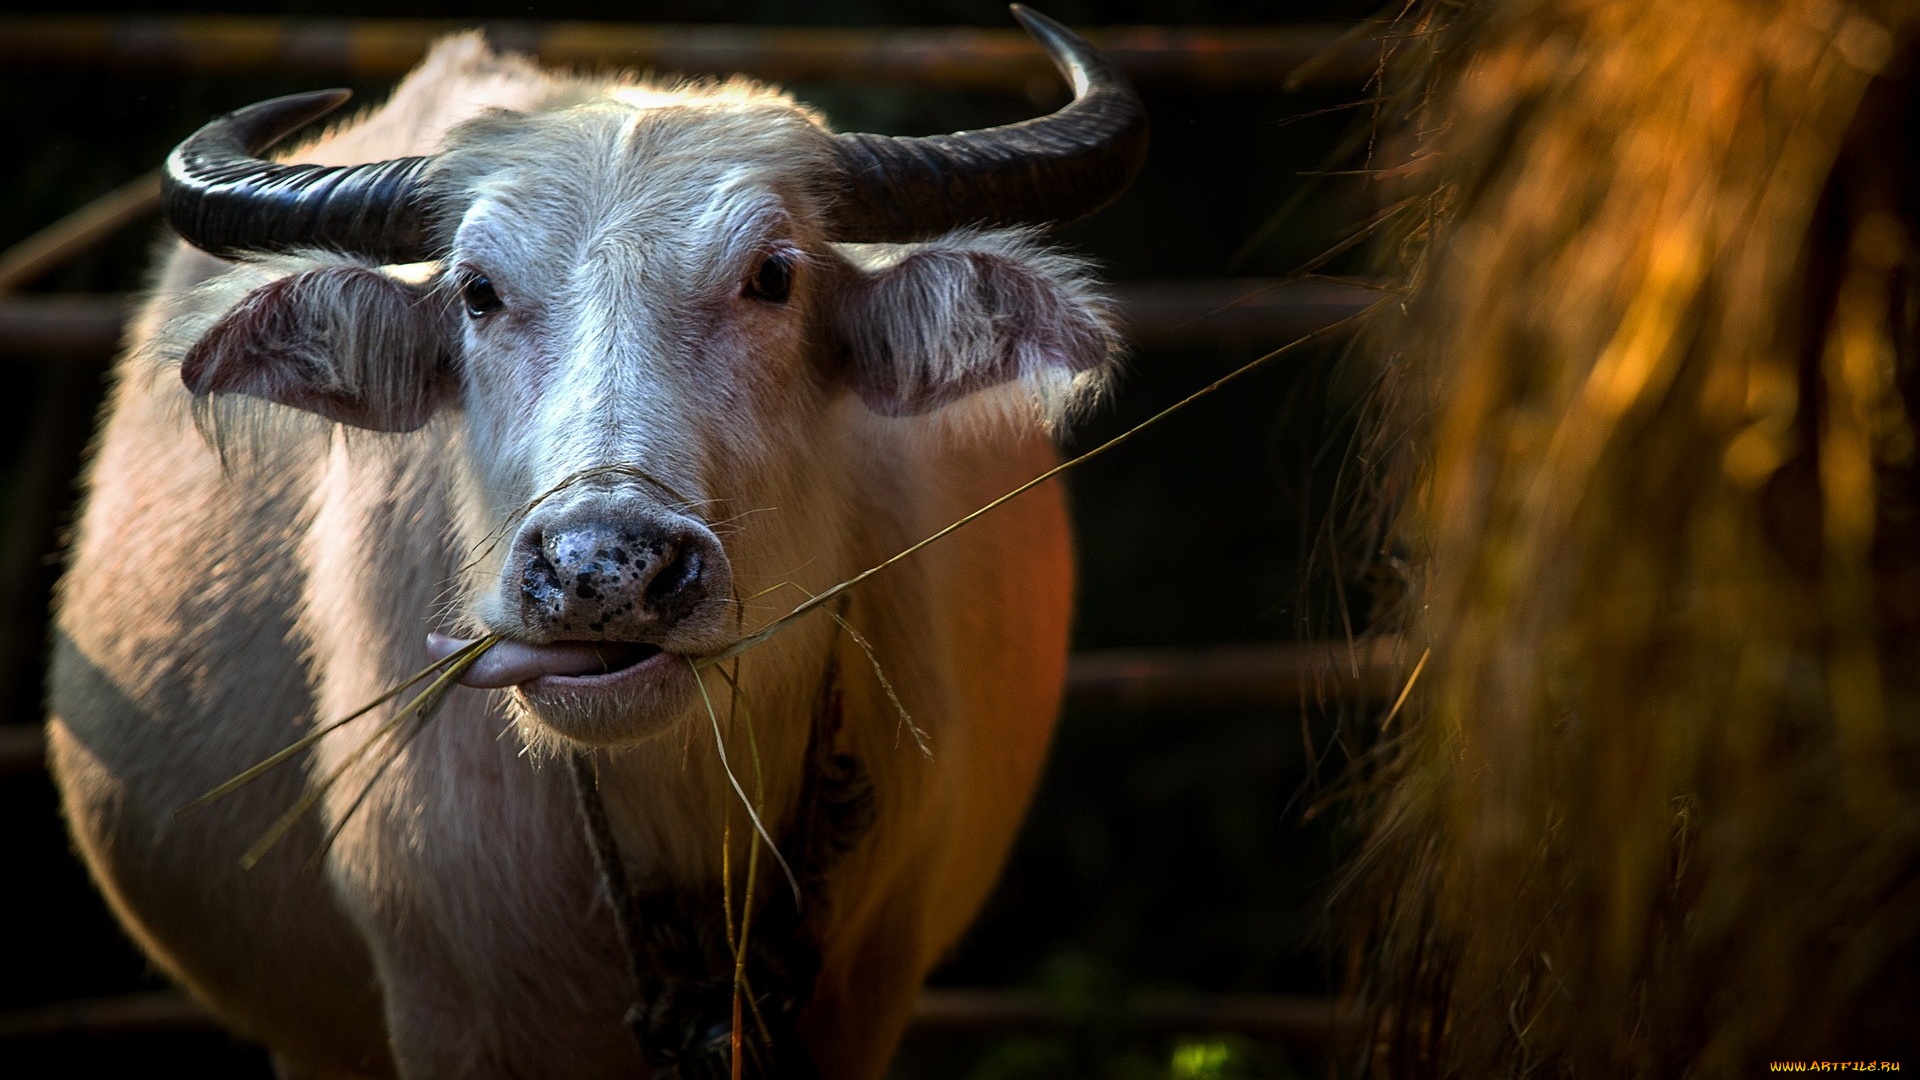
point(1052, 169)
point(223, 199)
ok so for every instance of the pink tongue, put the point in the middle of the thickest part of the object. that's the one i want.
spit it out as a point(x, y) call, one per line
point(510, 663)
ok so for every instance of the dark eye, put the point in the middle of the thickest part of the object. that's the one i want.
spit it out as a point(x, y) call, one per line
point(771, 280)
point(480, 298)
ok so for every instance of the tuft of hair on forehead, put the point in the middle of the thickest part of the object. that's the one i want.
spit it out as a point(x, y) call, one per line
point(636, 145)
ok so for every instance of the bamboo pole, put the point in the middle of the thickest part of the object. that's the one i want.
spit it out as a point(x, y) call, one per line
point(1279, 675)
point(1297, 1022)
point(23, 749)
point(947, 57)
point(1155, 313)
point(61, 328)
point(77, 233)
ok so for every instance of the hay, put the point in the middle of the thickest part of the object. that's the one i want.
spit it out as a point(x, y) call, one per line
point(1653, 808)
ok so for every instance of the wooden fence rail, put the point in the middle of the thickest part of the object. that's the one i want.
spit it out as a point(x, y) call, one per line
point(1282, 675)
point(1283, 57)
point(1297, 1022)
point(1257, 311)
point(62, 328)
point(1270, 675)
point(74, 335)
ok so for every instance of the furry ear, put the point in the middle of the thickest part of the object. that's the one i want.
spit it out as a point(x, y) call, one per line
point(346, 342)
point(966, 312)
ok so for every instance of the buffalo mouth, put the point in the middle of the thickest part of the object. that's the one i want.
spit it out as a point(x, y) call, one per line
point(519, 663)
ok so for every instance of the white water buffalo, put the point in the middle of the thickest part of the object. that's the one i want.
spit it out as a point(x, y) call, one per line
point(744, 358)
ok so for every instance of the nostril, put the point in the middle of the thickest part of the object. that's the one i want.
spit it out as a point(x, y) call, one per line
point(624, 580)
point(676, 577)
point(541, 583)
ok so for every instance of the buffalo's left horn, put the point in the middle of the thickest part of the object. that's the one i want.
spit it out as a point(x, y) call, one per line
point(1055, 168)
point(222, 198)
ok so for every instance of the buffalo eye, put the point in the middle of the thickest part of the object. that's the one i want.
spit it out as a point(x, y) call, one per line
point(477, 292)
point(771, 280)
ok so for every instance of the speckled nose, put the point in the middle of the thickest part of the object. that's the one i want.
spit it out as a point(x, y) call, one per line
point(625, 581)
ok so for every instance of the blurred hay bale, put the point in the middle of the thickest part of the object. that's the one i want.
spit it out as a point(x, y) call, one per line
point(1656, 809)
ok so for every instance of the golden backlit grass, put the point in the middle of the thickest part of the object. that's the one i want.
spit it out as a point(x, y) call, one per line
point(1652, 808)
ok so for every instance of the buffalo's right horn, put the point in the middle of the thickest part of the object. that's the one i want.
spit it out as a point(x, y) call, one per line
point(1055, 168)
point(222, 198)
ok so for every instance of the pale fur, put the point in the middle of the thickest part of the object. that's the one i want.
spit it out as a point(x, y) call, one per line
point(213, 611)
point(968, 337)
point(346, 361)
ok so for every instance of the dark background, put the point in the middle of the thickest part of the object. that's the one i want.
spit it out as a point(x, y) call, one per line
point(1167, 851)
